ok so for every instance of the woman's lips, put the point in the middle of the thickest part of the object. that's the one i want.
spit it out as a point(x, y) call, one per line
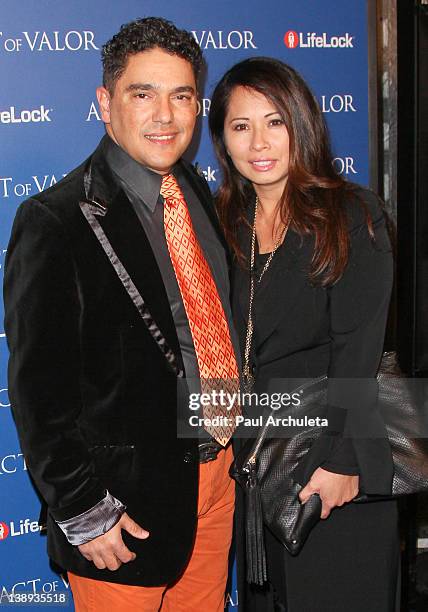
point(263, 165)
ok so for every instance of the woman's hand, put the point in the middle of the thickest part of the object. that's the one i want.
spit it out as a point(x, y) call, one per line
point(333, 489)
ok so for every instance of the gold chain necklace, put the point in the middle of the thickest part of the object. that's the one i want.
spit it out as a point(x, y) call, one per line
point(248, 378)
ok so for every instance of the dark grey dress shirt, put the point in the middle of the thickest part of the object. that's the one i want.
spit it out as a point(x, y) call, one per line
point(142, 186)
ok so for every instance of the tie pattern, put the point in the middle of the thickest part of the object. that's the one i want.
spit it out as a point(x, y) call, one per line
point(208, 324)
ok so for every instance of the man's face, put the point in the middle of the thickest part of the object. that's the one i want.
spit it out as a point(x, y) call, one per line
point(152, 111)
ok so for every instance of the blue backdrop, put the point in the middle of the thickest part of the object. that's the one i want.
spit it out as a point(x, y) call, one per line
point(50, 68)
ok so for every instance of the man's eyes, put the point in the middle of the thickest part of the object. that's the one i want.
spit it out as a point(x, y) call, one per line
point(182, 97)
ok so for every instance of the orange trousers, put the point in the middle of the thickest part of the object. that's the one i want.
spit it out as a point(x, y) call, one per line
point(201, 588)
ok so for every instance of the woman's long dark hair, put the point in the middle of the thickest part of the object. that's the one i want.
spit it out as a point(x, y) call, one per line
point(313, 199)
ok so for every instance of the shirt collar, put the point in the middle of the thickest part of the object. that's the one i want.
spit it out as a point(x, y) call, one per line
point(143, 182)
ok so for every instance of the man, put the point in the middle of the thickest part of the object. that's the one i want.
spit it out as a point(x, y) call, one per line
point(100, 319)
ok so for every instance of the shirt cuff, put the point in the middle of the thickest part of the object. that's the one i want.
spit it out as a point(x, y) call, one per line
point(93, 522)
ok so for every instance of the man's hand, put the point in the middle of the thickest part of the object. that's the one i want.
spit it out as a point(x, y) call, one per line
point(108, 550)
point(333, 489)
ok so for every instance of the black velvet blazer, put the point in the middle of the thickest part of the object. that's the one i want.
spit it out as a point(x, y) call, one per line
point(93, 397)
point(305, 331)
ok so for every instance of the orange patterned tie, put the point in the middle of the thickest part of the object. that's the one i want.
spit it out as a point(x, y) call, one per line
point(207, 321)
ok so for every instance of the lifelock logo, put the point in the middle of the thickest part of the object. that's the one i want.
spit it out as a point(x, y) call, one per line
point(37, 115)
point(311, 40)
point(24, 527)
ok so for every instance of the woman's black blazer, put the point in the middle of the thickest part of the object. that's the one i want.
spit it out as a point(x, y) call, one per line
point(305, 330)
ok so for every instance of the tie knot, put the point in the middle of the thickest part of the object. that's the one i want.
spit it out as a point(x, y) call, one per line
point(170, 189)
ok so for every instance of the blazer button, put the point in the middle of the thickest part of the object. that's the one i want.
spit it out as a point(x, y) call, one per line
point(188, 457)
point(253, 369)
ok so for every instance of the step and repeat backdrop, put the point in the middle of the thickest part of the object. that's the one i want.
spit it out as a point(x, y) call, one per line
point(49, 122)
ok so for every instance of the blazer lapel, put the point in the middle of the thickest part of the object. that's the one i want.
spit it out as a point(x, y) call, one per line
point(130, 243)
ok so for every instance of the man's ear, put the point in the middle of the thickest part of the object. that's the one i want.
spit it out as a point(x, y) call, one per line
point(104, 98)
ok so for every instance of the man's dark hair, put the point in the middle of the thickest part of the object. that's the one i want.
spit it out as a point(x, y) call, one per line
point(141, 35)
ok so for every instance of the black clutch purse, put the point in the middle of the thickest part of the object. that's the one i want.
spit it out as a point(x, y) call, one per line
point(265, 470)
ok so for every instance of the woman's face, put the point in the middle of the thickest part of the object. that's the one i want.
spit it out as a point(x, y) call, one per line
point(257, 140)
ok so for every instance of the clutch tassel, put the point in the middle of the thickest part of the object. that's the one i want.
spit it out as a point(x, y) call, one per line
point(256, 554)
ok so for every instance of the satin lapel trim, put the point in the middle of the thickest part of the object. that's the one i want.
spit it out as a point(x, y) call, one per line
point(91, 214)
point(129, 242)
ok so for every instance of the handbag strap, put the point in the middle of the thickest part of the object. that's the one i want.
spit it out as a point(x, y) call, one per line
point(90, 208)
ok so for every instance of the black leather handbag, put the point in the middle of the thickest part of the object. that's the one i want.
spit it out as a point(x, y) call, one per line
point(265, 470)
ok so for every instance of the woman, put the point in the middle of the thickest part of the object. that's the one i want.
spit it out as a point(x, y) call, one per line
point(318, 299)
